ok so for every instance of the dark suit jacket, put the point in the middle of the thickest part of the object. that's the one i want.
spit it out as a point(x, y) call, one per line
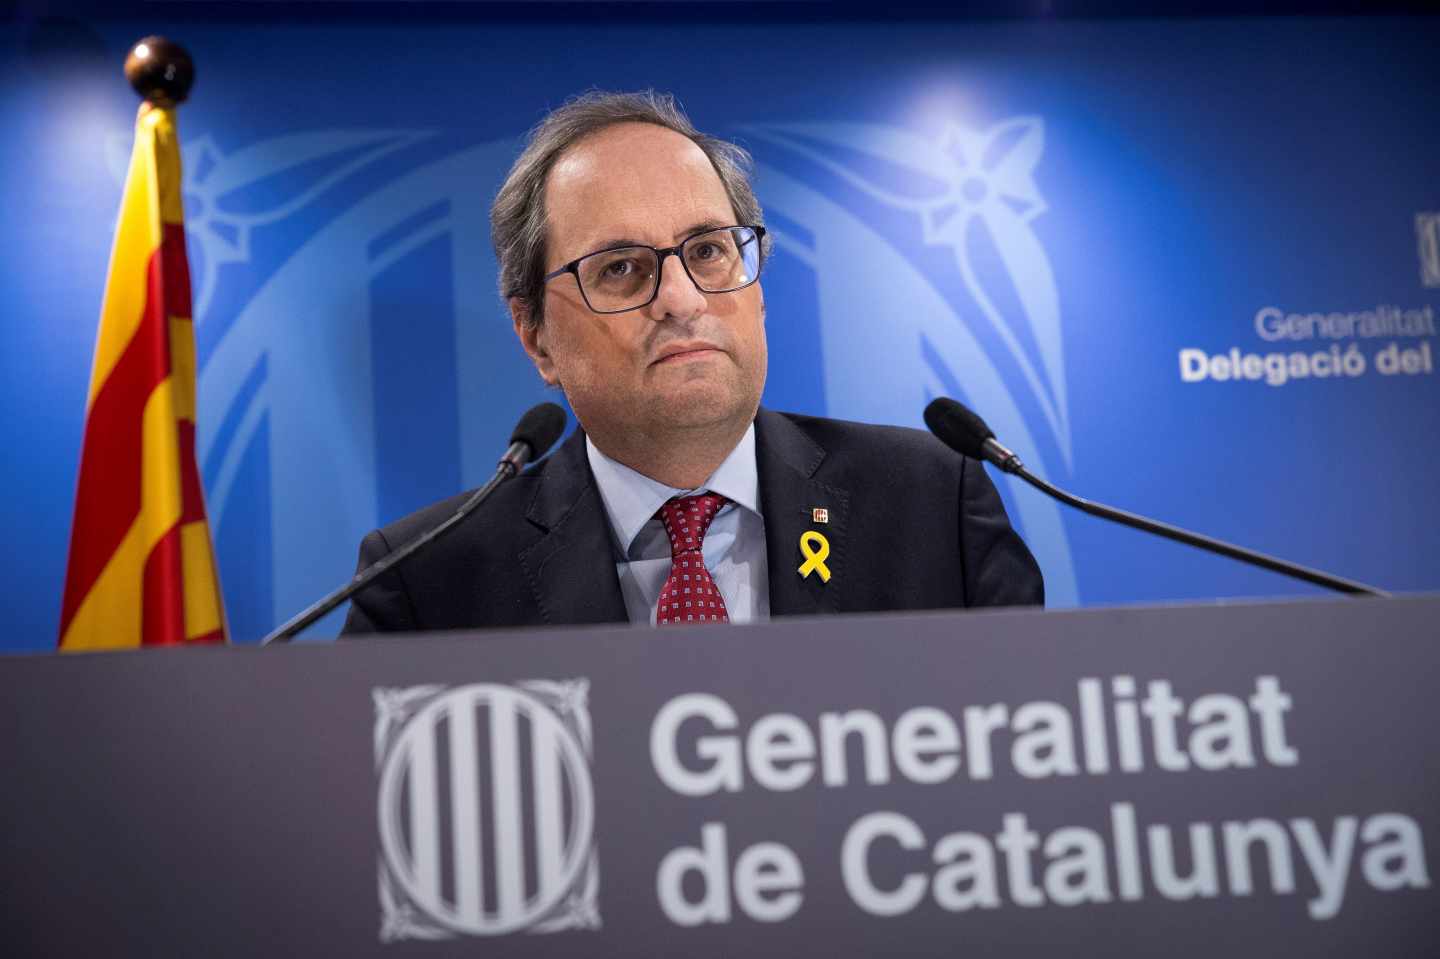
point(912, 525)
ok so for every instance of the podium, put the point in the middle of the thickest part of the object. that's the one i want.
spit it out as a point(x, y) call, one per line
point(1214, 779)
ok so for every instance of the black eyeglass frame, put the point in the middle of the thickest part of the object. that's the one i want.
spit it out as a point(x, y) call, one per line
point(661, 254)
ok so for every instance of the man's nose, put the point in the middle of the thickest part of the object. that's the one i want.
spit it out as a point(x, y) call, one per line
point(678, 298)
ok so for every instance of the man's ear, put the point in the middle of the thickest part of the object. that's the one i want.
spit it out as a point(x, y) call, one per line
point(532, 338)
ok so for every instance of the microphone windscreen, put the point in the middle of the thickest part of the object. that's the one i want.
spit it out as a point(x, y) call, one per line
point(540, 427)
point(958, 427)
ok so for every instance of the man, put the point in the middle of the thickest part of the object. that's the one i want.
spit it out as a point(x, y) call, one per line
point(629, 247)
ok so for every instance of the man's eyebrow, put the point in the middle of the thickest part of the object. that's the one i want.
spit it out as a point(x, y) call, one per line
point(615, 243)
point(704, 226)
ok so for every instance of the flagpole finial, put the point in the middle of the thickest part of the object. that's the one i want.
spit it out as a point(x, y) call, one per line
point(160, 70)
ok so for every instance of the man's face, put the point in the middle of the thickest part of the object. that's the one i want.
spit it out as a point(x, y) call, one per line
point(689, 359)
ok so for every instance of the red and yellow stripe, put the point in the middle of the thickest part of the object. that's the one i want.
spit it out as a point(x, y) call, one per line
point(142, 567)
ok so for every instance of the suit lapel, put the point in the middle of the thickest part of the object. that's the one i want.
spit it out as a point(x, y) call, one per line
point(787, 460)
point(572, 568)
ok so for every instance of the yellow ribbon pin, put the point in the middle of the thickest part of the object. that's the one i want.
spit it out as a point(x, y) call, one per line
point(814, 557)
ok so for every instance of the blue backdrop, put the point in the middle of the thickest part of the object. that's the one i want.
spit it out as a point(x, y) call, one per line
point(1038, 217)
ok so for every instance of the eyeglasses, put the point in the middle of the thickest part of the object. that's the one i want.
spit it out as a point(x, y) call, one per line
point(626, 278)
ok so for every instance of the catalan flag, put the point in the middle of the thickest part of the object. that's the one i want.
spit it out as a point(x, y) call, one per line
point(142, 567)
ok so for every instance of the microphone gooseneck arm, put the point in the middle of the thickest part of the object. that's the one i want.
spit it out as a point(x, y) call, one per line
point(518, 452)
point(536, 432)
point(1179, 535)
point(965, 432)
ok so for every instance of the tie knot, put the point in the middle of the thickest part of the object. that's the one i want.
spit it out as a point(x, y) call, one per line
point(686, 519)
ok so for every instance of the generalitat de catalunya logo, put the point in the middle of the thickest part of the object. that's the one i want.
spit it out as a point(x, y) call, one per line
point(486, 809)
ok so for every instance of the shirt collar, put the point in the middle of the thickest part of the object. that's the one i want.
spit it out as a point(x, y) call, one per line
point(631, 499)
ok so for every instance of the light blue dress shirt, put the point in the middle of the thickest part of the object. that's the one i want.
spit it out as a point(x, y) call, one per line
point(734, 547)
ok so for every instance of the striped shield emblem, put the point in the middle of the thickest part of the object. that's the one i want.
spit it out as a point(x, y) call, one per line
point(486, 810)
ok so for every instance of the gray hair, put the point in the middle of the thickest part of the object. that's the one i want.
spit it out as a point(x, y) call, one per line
point(518, 217)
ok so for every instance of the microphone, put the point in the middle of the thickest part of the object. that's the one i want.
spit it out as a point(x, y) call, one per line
point(965, 432)
point(532, 438)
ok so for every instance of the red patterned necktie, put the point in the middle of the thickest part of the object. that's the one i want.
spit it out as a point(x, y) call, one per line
point(689, 594)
